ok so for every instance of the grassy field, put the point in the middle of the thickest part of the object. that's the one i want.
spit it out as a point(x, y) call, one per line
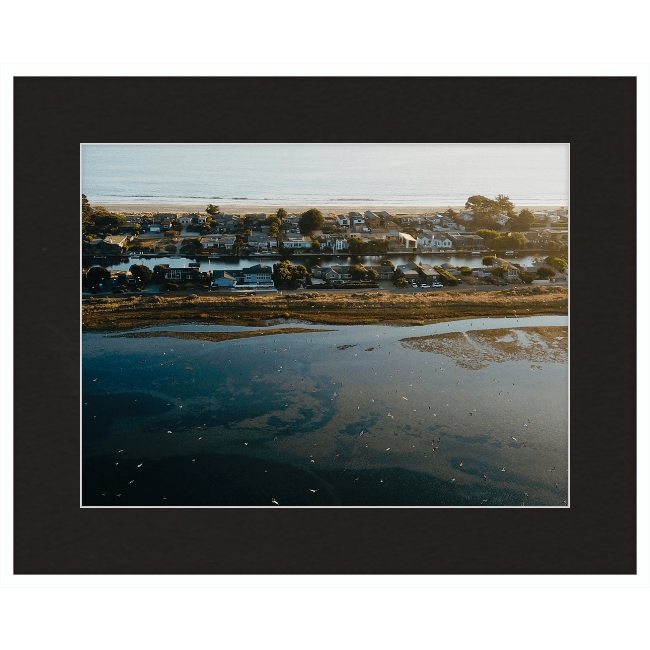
point(339, 308)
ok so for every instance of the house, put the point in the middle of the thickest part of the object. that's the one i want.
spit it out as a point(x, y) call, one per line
point(172, 274)
point(407, 239)
point(372, 220)
point(332, 273)
point(428, 273)
point(297, 242)
point(339, 244)
point(223, 279)
point(383, 272)
point(259, 275)
point(154, 228)
point(441, 241)
point(466, 215)
point(410, 271)
point(262, 242)
point(343, 220)
point(424, 239)
point(211, 244)
point(114, 244)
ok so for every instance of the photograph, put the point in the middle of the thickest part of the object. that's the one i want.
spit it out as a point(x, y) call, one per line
point(303, 325)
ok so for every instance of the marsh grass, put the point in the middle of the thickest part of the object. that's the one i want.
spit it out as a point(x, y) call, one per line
point(121, 313)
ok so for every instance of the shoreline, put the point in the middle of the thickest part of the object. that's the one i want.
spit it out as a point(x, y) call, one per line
point(359, 308)
point(229, 208)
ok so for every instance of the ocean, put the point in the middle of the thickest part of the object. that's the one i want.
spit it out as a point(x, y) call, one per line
point(325, 174)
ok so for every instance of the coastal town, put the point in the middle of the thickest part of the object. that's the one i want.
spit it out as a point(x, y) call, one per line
point(272, 241)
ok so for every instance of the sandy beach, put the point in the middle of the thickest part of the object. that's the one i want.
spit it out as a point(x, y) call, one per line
point(295, 209)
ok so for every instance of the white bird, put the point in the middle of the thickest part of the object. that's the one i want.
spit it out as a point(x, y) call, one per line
point(169, 432)
point(119, 451)
point(504, 469)
point(200, 437)
point(515, 439)
point(274, 501)
point(453, 479)
point(313, 490)
point(140, 465)
point(387, 448)
point(131, 481)
point(246, 443)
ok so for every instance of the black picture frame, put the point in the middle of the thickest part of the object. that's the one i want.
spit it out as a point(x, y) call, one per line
point(595, 535)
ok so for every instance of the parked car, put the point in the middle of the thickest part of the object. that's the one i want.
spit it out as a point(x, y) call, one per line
point(424, 286)
point(436, 284)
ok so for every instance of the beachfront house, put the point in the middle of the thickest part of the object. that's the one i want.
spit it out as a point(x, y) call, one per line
point(343, 220)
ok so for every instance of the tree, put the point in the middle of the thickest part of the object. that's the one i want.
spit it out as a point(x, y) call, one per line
point(281, 213)
point(141, 272)
point(372, 274)
point(284, 272)
point(402, 282)
point(499, 272)
point(452, 214)
point(310, 221)
point(97, 275)
point(86, 209)
point(488, 260)
point(212, 209)
point(159, 272)
point(545, 273)
point(358, 272)
point(356, 245)
point(465, 271)
point(527, 278)
point(557, 263)
point(522, 222)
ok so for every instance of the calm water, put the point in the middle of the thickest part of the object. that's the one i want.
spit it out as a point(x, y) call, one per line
point(343, 417)
point(425, 174)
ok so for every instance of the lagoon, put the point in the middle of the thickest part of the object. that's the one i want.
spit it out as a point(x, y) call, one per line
point(355, 416)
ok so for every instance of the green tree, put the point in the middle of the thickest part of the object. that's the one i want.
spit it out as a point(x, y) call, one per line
point(310, 221)
point(465, 271)
point(372, 275)
point(141, 272)
point(97, 275)
point(159, 272)
point(212, 209)
point(356, 245)
point(488, 260)
point(86, 209)
point(522, 222)
point(281, 214)
point(499, 272)
point(544, 273)
point(557, 263)
point(358, 272)
point(526, 278)
point(452, 214)
point(402, 282)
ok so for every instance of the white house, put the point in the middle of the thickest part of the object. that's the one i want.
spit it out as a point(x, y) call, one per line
point(298, 242)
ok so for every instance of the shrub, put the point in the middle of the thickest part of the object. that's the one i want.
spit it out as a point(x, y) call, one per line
point(527, 278)
point(465, 271)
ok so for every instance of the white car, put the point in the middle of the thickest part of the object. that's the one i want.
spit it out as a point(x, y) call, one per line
point(436, 284)
point(424, 286)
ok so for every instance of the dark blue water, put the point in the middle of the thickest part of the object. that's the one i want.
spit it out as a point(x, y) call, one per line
point(407, 174)
point(346, 417)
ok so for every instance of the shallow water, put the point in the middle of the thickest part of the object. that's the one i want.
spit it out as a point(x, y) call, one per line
point(347, 417)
